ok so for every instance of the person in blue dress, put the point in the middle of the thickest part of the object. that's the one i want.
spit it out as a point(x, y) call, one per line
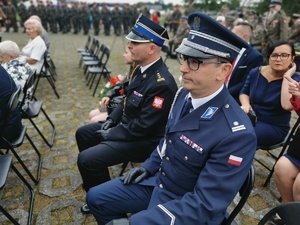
point(262, 93)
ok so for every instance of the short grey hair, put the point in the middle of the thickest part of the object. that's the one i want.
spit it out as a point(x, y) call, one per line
point(9, 48)
point(37, 26)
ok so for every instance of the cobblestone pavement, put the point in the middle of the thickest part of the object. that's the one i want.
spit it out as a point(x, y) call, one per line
point(58, 195)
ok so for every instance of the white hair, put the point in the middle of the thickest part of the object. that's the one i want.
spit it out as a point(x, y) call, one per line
point(9, 48)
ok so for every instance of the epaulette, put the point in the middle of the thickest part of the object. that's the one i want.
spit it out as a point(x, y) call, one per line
point(159, 77)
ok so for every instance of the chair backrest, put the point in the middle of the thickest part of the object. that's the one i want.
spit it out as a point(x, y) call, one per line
point(29, 83)
point(244, 193)
point(289, 213)
point(13, 101)
point(105, 57)
point(88, 42)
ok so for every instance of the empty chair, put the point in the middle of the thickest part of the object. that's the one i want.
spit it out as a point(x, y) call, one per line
point(86, 46)
point(88, 52)
point(95, 61)
point(33, 111)
point(48, 71)
point(5, 165)
point(100, 70)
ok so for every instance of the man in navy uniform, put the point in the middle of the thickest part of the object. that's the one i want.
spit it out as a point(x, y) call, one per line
point(134, 128)
point(202, 161)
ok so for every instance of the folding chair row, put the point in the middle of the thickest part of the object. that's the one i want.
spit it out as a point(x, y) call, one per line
point(89, 52)
point(48, 71)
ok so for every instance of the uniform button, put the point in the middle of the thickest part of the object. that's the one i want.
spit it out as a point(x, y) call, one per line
point(163, 173)
point(226, 106)
point(167, 158)
point(170, 142)
point(186, 158)
point(161, 186)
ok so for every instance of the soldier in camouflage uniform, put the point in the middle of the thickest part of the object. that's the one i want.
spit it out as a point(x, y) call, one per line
point(106, 19)
point(176, 15)
point(116, 16)
point(75, 17)
point(258, 30)
point(84, 18)
point(95, 13)
point(53, 14)
point(42, 13)
point(294, 33)
point(126, 18)
point(31, 9)
point(276, 27)
point(10, 11)
point(146, 11)
point(134, 15)
point(22, 11)
point(182, 32)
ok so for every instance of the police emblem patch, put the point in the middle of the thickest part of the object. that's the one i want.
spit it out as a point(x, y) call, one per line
point(196, 24)
point(158, 102)
point(209, 112)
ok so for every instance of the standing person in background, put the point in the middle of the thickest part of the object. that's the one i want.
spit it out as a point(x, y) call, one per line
point(106, 19)
point(276, 27)
point(116, 17)
point(176, 15)
point(258, 30)
point(22, 11)
point(182, 32)
point(184, 180)
point(10, 11)
point(135, 127)
point(294, 33)
point(95, 13)
point(155, 17)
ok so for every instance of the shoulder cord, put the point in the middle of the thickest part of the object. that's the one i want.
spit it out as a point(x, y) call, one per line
point(130, 78)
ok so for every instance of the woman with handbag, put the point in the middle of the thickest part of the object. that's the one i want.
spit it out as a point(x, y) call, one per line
point(262, 94)
point(113, 96)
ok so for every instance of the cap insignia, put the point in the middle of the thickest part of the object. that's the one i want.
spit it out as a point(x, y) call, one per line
point(196, 24)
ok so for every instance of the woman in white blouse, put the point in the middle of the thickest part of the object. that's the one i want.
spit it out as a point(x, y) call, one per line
point(35, 48)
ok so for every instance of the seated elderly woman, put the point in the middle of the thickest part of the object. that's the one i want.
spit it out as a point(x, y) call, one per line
point(35, 48)
point(44, 34)
point(17, 67)
point(262, 92)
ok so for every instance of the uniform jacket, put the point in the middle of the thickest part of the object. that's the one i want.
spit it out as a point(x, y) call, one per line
point(294, 35)
point(276, 28)
point(208, 154)
point(145, 110)
point(251, 58)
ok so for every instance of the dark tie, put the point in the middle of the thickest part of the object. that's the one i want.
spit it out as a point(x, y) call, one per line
point(186, 108)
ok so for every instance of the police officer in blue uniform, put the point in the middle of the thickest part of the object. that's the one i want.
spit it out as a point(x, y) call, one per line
point(134, 128)
point(207, 151)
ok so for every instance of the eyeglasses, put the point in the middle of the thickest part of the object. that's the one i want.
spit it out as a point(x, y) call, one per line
point(194, 63)
point(283, 56)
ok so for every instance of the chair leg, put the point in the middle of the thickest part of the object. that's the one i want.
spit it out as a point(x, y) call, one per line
point(8, 216)
point(30, 211)
point(52, 84)
point(97, 84)
point(92, 80)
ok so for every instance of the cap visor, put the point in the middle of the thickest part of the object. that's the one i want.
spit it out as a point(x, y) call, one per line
point(185, 50)
point(136, 38)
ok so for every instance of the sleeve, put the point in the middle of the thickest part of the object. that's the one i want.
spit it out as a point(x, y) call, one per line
point(149, 118)
point(217, 185)
point(283, 28)
point(246, 88)
point(296, 105)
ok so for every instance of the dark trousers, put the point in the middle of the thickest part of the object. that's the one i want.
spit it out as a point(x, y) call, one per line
point(113, 199)
point(95, 156)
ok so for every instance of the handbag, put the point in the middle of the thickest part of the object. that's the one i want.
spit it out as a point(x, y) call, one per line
point(294, 148)
point(113, 103)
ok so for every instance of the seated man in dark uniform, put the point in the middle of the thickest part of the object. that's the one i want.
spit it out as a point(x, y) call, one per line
point(135, 127)
point(207, 151)
point(10, 123)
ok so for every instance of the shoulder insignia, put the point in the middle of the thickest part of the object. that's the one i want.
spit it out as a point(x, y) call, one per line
point(159, 77)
